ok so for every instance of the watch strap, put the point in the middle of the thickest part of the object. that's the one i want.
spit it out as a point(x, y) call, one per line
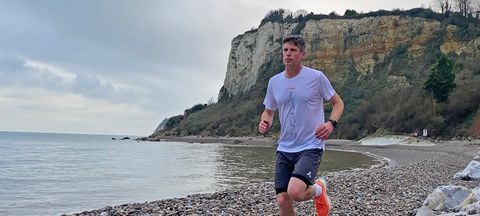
point(334, 123)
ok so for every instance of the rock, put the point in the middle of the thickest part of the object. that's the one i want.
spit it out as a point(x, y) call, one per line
point(125, 138)
point(477, 157)
point(473, 208)
point(142, 139)
point(471, 172)
point(113, 138)
point(476, 194)
point(448, 198)
point(425, 211)
point(435, 200)
point(454, 214)
point(104, 214)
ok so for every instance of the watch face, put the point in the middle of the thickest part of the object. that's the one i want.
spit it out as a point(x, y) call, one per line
point(334, 123)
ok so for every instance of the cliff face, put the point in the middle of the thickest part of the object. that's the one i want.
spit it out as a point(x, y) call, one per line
point(377, 63)
point(250, 52)
point(336, 45)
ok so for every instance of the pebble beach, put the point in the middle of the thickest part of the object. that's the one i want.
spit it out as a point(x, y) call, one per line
point(398, 185)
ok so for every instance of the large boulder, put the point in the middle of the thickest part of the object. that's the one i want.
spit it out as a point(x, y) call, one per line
point(471, 172)
point(449, 198)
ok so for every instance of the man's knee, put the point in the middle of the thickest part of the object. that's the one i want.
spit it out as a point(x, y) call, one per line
point(296, 194)
point(284, 201)
point(297, 189)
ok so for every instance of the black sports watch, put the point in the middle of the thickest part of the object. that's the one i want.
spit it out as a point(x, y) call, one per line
point(334, 123)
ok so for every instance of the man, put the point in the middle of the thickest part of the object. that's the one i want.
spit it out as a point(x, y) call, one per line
point(298, 93)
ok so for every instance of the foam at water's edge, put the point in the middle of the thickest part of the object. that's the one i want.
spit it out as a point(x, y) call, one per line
point(395, 140)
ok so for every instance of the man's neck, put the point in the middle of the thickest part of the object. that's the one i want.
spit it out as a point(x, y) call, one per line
point(293, 71)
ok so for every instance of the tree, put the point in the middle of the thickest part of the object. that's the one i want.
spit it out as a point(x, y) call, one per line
point(350, 13)
point(333, 14)
point(441, 80)
point(476, 8)
point(276, 16)
point(464, 7)
point(445, 6)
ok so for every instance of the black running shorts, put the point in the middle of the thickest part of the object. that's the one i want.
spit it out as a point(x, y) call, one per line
point(303, 165)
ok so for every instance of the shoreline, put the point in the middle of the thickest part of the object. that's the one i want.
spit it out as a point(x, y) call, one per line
point(398, 188)
point(252, 141)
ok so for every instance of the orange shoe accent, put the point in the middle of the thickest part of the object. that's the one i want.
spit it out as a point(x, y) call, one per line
point(322, 202)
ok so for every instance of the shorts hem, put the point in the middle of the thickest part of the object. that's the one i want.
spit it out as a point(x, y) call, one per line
point(303, 178)
point(280, 190)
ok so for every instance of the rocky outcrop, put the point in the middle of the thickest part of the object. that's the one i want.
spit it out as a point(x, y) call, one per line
point(339, 45)
point(250, 52)
point(453, 45)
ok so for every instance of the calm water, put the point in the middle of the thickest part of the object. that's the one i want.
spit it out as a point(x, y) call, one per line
point(51, 174)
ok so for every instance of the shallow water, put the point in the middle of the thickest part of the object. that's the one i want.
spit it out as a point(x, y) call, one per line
point(51, 174)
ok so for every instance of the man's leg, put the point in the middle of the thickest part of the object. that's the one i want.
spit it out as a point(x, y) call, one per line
point(299, 191)
point(285, 204)
point(301, 185)
point(283, 171)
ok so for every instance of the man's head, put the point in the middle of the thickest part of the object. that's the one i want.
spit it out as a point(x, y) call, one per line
point(293, 51)
point(295, 40)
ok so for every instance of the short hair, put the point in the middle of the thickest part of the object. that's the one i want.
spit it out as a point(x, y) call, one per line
point(296, 40)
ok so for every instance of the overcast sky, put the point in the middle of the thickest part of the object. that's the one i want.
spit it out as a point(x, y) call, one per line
point(120, 67)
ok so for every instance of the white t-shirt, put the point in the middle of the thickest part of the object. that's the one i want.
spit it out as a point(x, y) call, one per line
point(300, 104)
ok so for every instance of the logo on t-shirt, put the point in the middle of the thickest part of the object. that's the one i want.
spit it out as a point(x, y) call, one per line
point(291, 129)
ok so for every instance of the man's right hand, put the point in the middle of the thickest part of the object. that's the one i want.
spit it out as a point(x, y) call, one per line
point(263, 126)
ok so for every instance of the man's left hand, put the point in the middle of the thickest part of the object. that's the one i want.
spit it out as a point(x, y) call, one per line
point(324, 130)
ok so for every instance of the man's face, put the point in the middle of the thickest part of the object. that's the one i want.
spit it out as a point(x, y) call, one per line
point(292, 54)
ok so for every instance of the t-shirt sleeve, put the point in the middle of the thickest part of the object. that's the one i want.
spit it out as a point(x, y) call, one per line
point(269, 100)
point(326, 89)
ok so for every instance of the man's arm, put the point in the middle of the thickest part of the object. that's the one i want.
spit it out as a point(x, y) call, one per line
point(337, 107)
point(324, 130)
point(266, 120)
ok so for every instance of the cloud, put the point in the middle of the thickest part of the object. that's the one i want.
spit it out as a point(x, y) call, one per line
point(22, 72)
point(36, 109)
point(16, 71)
point(153, 94)
point(49, 70)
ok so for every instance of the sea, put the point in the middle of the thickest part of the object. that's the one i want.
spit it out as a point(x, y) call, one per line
point(54, 174)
